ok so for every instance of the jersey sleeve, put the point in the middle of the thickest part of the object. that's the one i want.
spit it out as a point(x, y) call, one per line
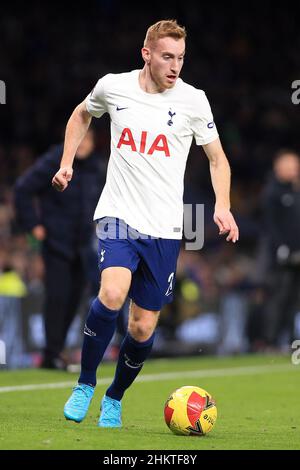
point(203, 126)
point(96, 100)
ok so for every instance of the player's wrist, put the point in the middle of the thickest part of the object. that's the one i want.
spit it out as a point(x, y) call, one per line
point(222, 207)
point(66, 165)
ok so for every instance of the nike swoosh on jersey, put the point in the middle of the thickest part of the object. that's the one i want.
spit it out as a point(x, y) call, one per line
point(120, 109)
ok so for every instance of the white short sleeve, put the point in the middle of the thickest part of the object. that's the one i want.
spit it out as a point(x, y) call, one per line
point(202, 123)
point(96, 100)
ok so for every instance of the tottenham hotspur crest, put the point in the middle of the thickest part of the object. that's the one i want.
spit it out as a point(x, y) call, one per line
point(170, 121)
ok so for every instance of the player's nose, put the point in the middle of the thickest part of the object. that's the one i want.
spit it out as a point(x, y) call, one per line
point(175, 67)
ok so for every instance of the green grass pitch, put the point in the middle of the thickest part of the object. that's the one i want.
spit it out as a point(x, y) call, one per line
point(257, 400)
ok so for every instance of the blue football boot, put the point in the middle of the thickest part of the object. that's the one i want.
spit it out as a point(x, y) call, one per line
point(78, 404)
point(110, 416)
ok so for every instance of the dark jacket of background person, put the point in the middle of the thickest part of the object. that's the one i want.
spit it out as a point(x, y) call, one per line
point(281, 213)
point(64, 222)
point(67, 217)
point(281, 204)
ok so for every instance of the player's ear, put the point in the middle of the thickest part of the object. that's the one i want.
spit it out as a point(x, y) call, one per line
point(146, 54)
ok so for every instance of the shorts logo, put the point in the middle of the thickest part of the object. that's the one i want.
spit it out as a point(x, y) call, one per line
point(102, 256)
point(170, 281)
point(210, 125)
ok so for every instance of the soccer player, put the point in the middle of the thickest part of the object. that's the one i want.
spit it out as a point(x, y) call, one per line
point(154, 117)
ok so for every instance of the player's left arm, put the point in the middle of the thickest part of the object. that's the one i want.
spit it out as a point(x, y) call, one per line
point(220, 178)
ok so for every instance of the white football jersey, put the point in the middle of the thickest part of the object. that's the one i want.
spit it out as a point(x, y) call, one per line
point(151, 134)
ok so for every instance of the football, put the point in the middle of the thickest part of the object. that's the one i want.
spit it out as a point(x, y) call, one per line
point(190, 411)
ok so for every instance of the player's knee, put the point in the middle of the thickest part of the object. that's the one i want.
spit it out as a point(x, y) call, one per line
point(112, 297)
point(140, 330)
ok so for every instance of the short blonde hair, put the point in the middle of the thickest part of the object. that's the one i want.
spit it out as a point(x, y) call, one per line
point(162, 29)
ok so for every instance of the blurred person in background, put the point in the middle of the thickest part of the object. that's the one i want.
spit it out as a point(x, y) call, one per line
point(281, 216)
point(63, 224)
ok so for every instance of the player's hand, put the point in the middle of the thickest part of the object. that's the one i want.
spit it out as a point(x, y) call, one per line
point(62, 178)
point(226, 223)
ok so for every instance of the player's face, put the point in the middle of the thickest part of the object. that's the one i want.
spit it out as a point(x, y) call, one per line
point(166, 61)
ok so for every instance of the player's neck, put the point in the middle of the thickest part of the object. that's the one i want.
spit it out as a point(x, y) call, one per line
point(146, 82)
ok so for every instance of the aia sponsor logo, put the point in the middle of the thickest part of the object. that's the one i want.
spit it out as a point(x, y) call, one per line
point(144, 144)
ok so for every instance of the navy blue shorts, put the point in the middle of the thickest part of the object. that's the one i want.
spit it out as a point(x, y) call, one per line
point(152, 261)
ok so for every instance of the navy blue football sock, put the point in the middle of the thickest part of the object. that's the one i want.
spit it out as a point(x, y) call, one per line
point(131, 359)
point(98, 331)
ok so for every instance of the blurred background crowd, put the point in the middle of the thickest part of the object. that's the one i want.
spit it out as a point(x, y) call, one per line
point(229, 298)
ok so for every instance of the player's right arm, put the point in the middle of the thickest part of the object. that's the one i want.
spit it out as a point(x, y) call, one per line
point(76, 129)
point(93, 106)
